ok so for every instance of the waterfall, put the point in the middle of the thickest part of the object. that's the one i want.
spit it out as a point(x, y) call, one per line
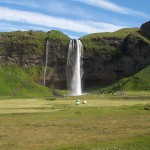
point(74, 67)
point(46, 61)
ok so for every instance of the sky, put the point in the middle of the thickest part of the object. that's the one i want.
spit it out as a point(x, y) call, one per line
point(75, 18)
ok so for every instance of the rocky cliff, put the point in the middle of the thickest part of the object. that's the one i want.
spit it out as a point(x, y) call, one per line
point(108, 57)
point(28, 50)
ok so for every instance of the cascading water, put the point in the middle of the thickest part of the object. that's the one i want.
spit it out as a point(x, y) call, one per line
point(74, 67)
point(46, 61)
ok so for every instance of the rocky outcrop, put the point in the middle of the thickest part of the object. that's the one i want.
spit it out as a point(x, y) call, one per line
point(145, 29)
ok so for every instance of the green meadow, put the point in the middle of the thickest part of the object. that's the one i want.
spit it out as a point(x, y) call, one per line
point(106, 122)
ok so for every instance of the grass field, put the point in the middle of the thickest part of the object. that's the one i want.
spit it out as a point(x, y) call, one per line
point(106, 122)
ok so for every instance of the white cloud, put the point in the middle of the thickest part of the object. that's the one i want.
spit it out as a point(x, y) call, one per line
point(107, 5)
point(34, 18)
point(65, 8)
point(52, 6)
point(11, 27)
point(22, 3)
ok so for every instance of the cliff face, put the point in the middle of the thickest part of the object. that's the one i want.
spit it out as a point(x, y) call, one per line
point(28, 50)
point(108, 57)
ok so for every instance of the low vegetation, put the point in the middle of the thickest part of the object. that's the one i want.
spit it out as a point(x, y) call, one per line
point(58, 36)
point(30, 42)
point(109, 42)
point(16, 82)
point(106, 122)
point(119, 33)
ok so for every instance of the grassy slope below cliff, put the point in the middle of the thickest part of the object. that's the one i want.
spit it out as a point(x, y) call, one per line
point(139, 81)
point(14, 81)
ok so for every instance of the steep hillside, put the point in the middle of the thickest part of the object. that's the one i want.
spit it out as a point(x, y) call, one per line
point(139, 81)
point(14, 81)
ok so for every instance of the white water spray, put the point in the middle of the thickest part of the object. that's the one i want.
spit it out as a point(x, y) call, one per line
point(74, 67)
point(46, 61)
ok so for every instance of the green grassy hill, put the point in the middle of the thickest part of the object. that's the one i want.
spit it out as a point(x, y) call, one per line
point(54, 35)
point(32, 42)
point(139, 81)
point(15, 82)
point(59, 37)
point(119, 33)
point(106, 42)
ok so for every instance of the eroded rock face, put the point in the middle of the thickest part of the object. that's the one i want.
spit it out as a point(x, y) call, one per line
point(58, 61)
point(145, 29)
point(106, 68)
point(100, 66)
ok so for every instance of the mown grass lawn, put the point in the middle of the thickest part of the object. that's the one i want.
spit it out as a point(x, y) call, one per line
point(106, 122)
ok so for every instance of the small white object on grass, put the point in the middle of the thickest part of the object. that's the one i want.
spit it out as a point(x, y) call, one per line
point(78, 102)
point(84, 102)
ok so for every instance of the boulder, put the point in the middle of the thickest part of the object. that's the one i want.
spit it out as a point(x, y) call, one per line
point(145, 29)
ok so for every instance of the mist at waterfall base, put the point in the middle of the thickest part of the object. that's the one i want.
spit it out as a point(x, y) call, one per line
point(74, 68)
